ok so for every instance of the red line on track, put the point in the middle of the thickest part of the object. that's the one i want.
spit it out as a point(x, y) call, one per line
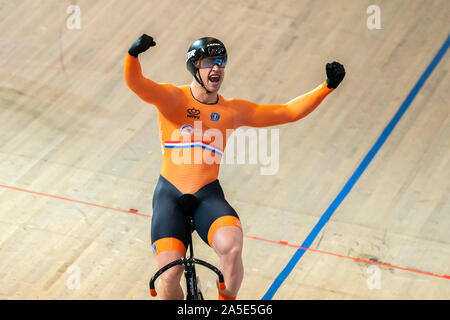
point(77, 201)
point(283, 243)
point(351, 258)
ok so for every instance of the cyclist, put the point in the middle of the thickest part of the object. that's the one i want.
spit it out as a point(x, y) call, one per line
point(193, 122)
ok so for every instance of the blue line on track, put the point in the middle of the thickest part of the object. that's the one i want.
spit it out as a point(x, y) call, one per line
point(355, 176)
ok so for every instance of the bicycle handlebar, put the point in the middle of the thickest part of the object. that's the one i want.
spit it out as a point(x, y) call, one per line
point(184, 261)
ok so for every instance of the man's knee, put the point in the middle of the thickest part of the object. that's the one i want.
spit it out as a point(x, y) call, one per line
point(173, 275)
point(232, 252)
point(228, 242)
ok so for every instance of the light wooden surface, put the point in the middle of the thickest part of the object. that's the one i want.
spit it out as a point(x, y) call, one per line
point(69, 127)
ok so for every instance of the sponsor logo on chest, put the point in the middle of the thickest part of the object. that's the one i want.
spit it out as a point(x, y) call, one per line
point(193, 113)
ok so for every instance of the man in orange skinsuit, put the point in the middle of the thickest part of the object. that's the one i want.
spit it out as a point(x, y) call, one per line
point(193, 122)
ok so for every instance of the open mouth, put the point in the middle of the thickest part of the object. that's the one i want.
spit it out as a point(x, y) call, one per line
point(214, 78)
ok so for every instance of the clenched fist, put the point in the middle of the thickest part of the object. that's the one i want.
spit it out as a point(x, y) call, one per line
point(335, 74)
point(141, 45)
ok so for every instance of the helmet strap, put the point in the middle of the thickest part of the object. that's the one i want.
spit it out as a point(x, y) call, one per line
point(199, 80)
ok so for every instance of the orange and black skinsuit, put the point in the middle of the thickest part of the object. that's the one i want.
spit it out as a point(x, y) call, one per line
point(193, 137)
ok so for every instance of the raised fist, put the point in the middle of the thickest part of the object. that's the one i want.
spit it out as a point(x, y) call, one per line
point(335, 74)
point(141, 45)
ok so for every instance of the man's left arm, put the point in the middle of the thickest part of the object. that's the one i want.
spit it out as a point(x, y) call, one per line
point(254, 115)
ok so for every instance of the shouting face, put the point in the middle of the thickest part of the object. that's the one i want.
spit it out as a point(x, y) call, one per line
point(212, 73)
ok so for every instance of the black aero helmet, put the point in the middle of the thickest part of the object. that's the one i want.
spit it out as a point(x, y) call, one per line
point(201, 48)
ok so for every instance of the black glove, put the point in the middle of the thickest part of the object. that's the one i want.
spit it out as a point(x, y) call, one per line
point(141, 45)
point(335, 74)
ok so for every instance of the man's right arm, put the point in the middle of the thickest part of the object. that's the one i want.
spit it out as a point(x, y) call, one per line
point(161, 95)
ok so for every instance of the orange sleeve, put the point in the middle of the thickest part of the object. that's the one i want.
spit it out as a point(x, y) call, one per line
point(164, 96)
point(254, 115)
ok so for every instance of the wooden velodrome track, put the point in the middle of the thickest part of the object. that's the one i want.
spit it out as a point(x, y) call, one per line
point(78, 149)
